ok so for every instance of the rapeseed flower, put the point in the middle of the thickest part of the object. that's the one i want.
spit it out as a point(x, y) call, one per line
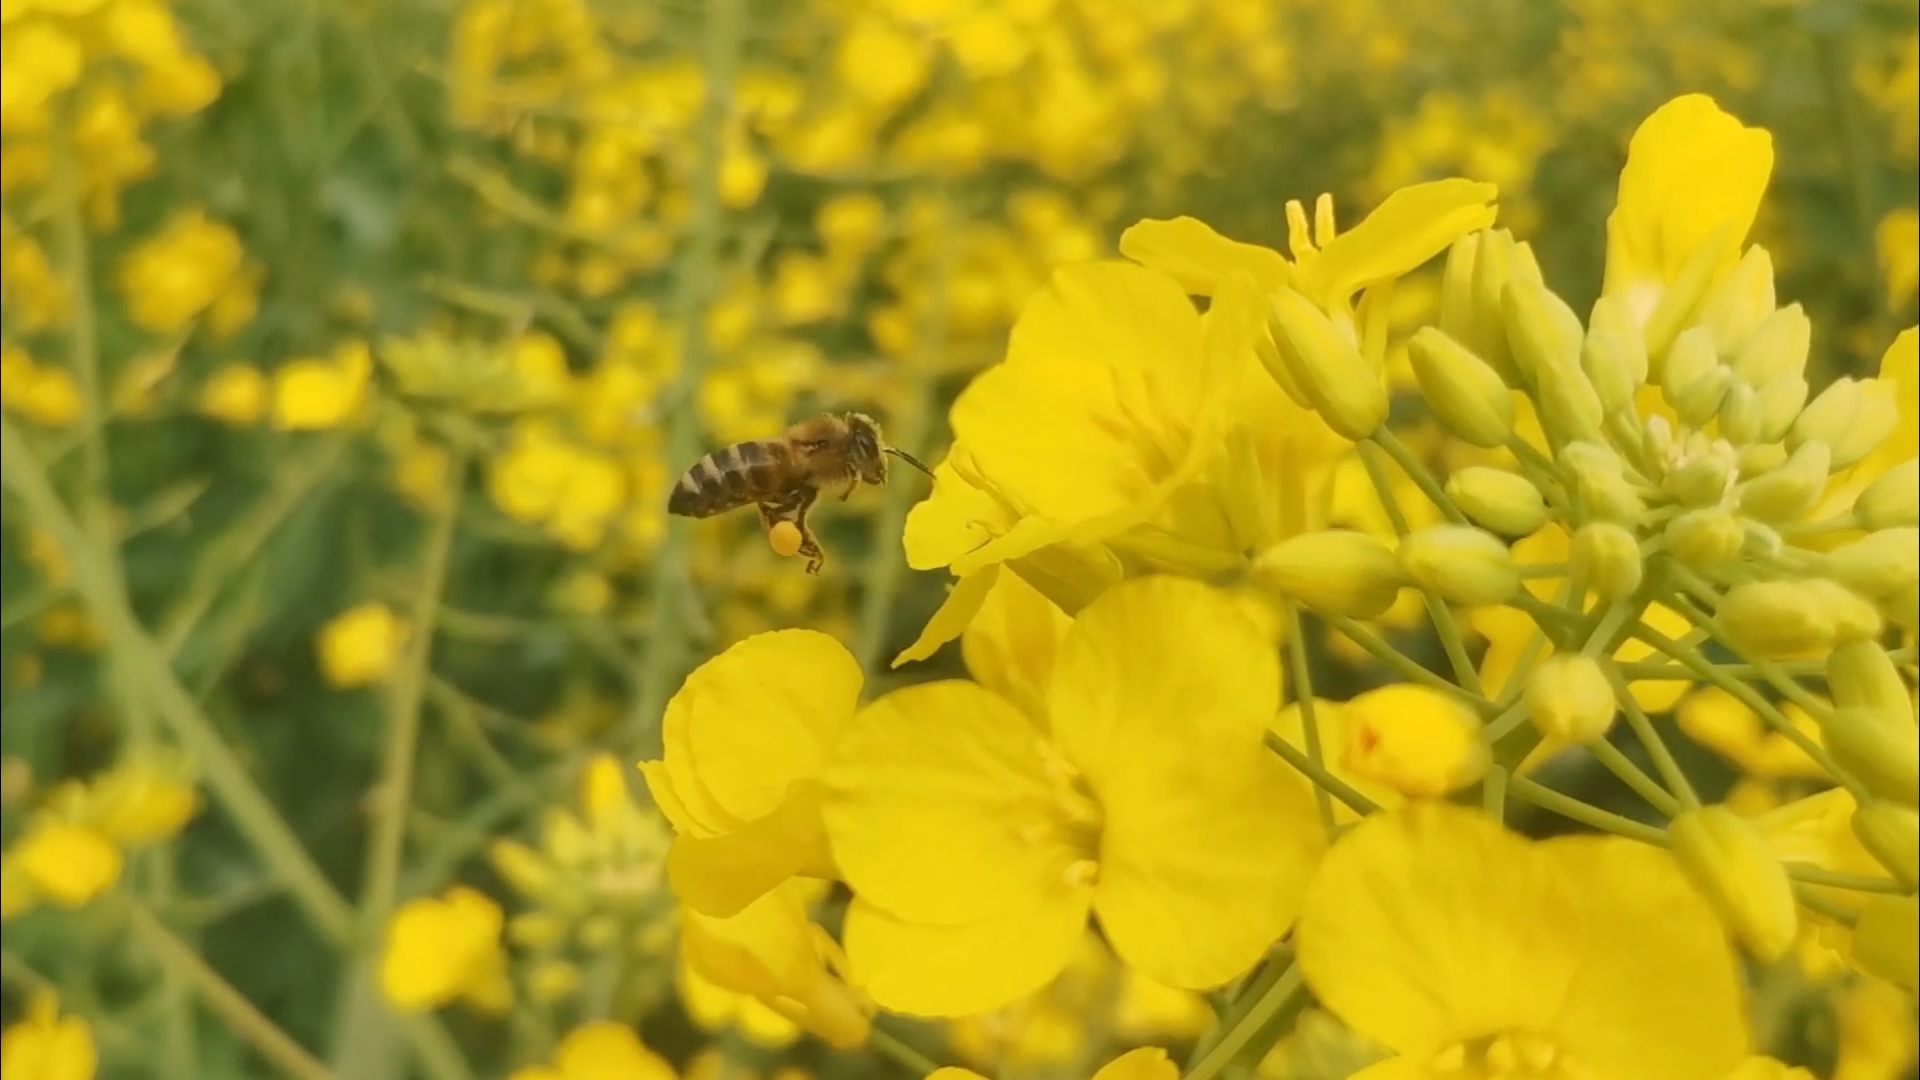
point(770, 949)
point(600, 1049)
point(444, 949)
point(1082, 813)
point(361, 646)
point(45, 1045)
point(1146, 1063)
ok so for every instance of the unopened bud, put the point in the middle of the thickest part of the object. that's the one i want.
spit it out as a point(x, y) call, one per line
point(1891, 834)
point(537, 930)
point(1777, 348)
point(1792, 618)
point(1878, 564)
point(1704, 479)
point(1464, 393)
point(1699, 401)
point(1854, 618)
point(1860, 675)
point(1569, 699)
point(1781, 400)
point(1788, 492)
point(1891, 501)
point(1569, 406)
point(1495, 499)
point(553, 980)
point(1492, 269)
point(1704, 538)
point(1461, 564)
point(1739, 303)
point(1607, 558)
point(1886, 940)
point(1902, 608)
point(1676, 306)
point(1691, 359)
point(1544, 332)
point(1600, 483)
point(1414, 740)
point(1327, 367)
point(529, 872)
point(1333, 570)
point(1459, 317)
point(1871, 732)
point(1727, 859)
point(1269, 356)
point(1851, 417)
point(1614, 354)
point(1740, 415)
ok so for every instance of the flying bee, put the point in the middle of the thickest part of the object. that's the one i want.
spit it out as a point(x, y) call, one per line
point(784, 476)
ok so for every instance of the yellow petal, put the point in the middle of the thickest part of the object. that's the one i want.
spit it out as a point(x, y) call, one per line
point(1010, 644)
point(1146, 1063)
point(1433, 924)
point(720, 875)
point(758, 717)
point(953, 761)
point(954, 615)
point(1694, 175)
point(967, 969)
point(1657, 965)
point(1411, 226)
point(1190, 252)
point(765, 950)
point(608, 1049)
point(1335, 727)
point(955, 518)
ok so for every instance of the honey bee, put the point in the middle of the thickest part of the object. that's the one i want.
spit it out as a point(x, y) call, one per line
point(784, 476)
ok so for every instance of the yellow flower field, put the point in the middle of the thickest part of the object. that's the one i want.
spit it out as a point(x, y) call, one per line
point(1291, 539)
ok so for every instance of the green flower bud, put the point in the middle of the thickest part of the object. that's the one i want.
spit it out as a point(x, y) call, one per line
point(1699, 401)
point(1872, 732)
point(1902, 608)
point(1740, 302)
point(1852, 417)
point(1891, 501)
point(1878, 564)
point(1704, 538)
point(1740, 415)
point(1497, 500)
point(1860, 675)
point(1607, 557)
point(1788, 492)
point(1780, 402)
point(1600, 483)
point(1569, 406)
point(1761, 458)
point(1461, 564)
point(1492, 269)
point(1544, 332)
point(1327, 367)
point(1467, 395)
point(1704, 479)
point(1614, 354)
point(1727, 859)
point(1269, 355)
point(1334, 570)
point(1788, 618)
point(1891, 834)
point(1777, 348)
point(1568, 698)
point(1675, 309)
point(1691, 359)
point(1854, 618)
point(1886, 940)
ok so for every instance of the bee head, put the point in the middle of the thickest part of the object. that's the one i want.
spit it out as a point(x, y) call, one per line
point(863, 435)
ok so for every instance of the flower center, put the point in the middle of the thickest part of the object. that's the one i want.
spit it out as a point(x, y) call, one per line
point(1518, 1055)
point(1070, 818)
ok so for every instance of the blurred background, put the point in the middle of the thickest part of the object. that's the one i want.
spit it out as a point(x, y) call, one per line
point(363, 340)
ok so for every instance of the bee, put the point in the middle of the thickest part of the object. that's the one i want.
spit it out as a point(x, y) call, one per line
point(784, 476)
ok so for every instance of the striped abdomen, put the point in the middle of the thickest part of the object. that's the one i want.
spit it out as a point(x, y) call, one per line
point(748, 472)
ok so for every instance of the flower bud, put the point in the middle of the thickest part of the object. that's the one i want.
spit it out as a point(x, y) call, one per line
point(531, 874)
point(1676, 306)
point(1459, 318)
point(1544, 332)
point(1269, 356)
point(1788, 492)
point(1600, 483)
point(1699, 401)
point(1891, 834)
point(1607, 558)
point(1614, 354)
point(1413, 740)
point(1850, 416)
point(1569, 699)
point(1871, 732)
point(1727, 860)
point(1740, 415)
point(1777, 347)
point(1492, 269)
point(1327, 367)
point(1692, 358)
point(1703, 538)
point(1878, 564)
point(1461, 564)
point(1497, 500)
point(1791, 618)
point(1854, 619)
point(1334, 570)
point(1704, 479)
point(1886, 940)
point(1740, 302)
point(540, 930)
point(1780, 402)
point(1902, 608)
point(1467, 395)
point(1891, 501)
point(1569, 406)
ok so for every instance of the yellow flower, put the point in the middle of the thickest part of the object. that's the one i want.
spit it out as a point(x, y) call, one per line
point(143, 799)
point(600, 1050)
point(445, 949)
point(177, 273)
point(311, 394)
point(237, 395)
point(1336, 735)
point(361, 646)
point(1462, 946)
point(47, 1046)
point(45, 394)
point(1010, 646)
point(67, 864)
point(882, 63)
point(771, 950)
point(1877, 1039)
point(574, 492)
point(1720, 722)
point(1414, 740)
point(1086, 813)
point(716, 1008)
point(1146, 1063)
point(747, 738)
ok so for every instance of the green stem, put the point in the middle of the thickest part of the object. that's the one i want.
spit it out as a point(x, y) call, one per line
point(1573, 809)
point(151, 676)
point(1322, 778)
point(1493, 792)
point(1286, 996)
point(1407, 667)
point(1643, 785)
point(666, 647)
point(1655, 671)
point(1416, 471)
point(1787, 686)
point(1464, 672)
point(1309, 721)
point(1670, 771)
point(1808, 874)
point(892, 1047)
point(266, 1037)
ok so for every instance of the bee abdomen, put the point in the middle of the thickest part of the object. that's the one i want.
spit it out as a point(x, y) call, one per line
point(728, 479)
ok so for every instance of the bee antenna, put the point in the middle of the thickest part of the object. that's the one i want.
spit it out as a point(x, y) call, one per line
point(908, 458)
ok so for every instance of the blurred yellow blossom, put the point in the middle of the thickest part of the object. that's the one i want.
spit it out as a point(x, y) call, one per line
point(66, 864)
point(179, 272)
point(1413, 740)
point(45, 1045)
point(361, 645)
point(600, 1050)
point(1146, 1063)
point(46, 394)
point(444, 949)
point(236, 395)
point(310, 394)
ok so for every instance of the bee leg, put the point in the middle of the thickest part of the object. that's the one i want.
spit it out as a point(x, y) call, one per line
point(851, 484)
point(797, 513)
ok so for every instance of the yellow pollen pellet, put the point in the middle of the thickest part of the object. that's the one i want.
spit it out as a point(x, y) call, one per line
point(784, 537)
